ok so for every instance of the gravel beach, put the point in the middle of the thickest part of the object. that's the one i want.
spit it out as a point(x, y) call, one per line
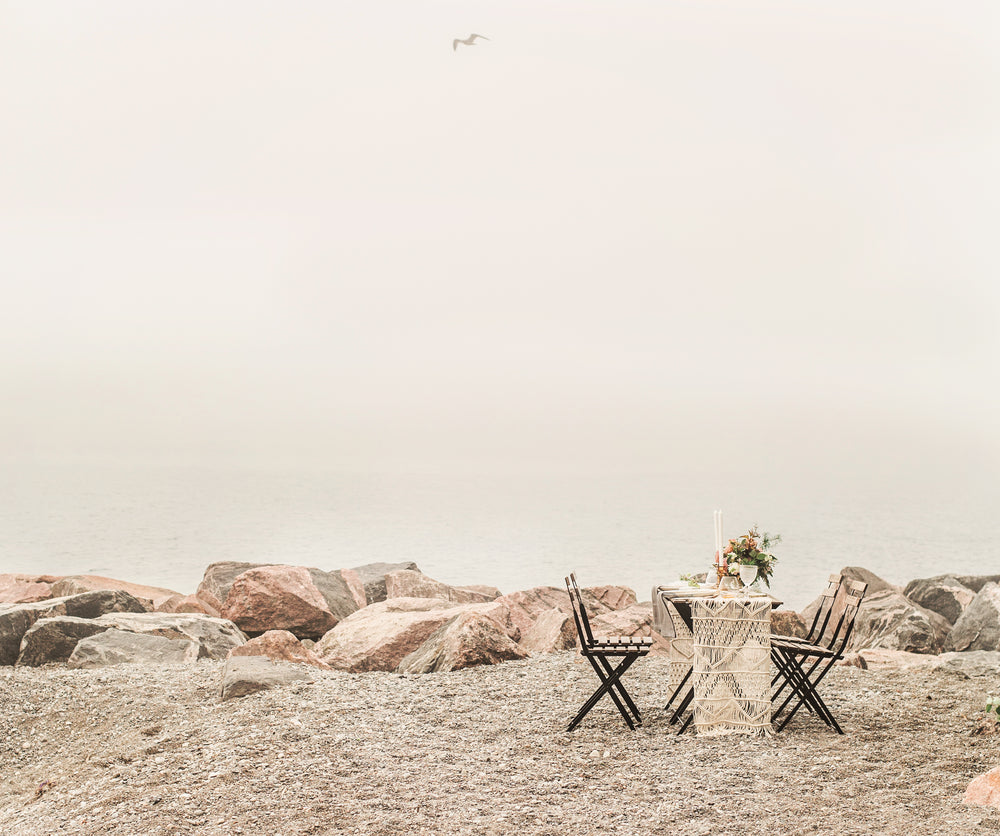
point(135, 750)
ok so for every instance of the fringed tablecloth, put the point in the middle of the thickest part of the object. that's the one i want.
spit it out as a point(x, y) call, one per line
point(732, 665)
point(667, 621)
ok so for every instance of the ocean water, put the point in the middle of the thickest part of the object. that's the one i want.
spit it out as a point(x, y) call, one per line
point(163, 525)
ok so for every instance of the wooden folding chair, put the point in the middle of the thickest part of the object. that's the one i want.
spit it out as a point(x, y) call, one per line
point(829, 634)
point(598, 651)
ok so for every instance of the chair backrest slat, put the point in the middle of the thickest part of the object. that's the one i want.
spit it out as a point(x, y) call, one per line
point(822, 618)
point(583, 610)
point(855, 595)
point(577, 604)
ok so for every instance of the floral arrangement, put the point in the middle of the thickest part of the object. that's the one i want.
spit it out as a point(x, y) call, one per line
point(751, 549)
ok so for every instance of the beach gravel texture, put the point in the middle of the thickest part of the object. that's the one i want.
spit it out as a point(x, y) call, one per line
point(152, 750)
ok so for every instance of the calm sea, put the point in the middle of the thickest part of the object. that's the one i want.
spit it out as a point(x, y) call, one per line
point(164, 525)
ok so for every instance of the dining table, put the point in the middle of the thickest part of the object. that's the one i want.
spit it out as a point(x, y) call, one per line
point(721, 641)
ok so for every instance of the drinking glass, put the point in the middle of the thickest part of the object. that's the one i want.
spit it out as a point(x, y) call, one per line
point(748, 574)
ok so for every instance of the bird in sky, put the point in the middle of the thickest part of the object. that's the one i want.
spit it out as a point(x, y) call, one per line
point(469, 41)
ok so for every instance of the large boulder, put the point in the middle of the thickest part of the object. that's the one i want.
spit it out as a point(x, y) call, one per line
point(608, 597)
point(636, 620)
point(218, 577)
point(77, 584)
point(279, 646)
point(243, 675)
point(25, 589)
point(467, 640)
point(306, 602)
point(16, 620)
point(972, 664)
point(978, 627)
point(943, 594)
point(875, 583)
point(372, 576)
point(889, 620)
point(51, 640)
point(406, 583)
point(976, 582)
point(553, 630)
point(788, 623)
point(528, 605)
point(115, 647)
point(213, 638)
point(380, 636)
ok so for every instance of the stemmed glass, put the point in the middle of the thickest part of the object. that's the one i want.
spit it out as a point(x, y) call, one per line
point(748, 574)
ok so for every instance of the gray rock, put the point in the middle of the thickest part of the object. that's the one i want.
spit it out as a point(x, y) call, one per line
point(974, 664)
point(214, 637)
point(51, 640)
point(977, 582)
point(373, 577)
point(115, 647)
point(978, 628)
point(244, 675)
point(875, 583)
point(218, 577)
point(944, 594)
point(102, 601)
point(889, 620)
point(337, 592)
point(16, 620)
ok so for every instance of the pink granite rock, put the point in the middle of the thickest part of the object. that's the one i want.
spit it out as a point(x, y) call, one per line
point(77, 584)
point(464, 641)
point(218, 577)
point(527, 605)
point(25, 589)
point(985, 790)
point(553, 630)
point(380, 636)
point(187, 603)
point(407, 583)
point(279, 646)
point(610, 597)
point(278, 598)
point(636, 620)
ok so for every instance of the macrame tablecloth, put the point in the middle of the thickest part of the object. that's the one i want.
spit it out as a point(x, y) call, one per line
point(669, 624)
point(732, 668)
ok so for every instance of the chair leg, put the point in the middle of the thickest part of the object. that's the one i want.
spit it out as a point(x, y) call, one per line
point(677, 690)
point(812, 685)
point(791, 674)
point(607, 687)
point(621, 691)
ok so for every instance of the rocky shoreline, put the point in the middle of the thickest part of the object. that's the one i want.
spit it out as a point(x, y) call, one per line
point(128, 709)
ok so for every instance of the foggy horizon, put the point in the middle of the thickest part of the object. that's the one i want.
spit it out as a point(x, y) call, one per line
point(648, 235)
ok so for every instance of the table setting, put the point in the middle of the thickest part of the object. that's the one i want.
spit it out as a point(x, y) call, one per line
point(720, 636)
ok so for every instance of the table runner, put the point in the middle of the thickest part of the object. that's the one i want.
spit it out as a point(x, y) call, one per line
point(669, 624)
point(732, 674)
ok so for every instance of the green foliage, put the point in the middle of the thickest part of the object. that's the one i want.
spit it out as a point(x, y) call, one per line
point(993, 705)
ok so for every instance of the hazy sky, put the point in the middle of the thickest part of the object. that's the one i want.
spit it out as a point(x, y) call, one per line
point(633, 231)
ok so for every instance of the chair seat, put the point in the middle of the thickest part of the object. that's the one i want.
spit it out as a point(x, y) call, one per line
point(802, 647)
point(623, 641)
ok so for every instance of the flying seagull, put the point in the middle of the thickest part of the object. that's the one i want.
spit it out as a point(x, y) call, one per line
point(469, 41)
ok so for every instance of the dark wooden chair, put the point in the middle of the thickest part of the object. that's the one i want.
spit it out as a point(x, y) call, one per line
point(598, 650)
point(802, 663)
